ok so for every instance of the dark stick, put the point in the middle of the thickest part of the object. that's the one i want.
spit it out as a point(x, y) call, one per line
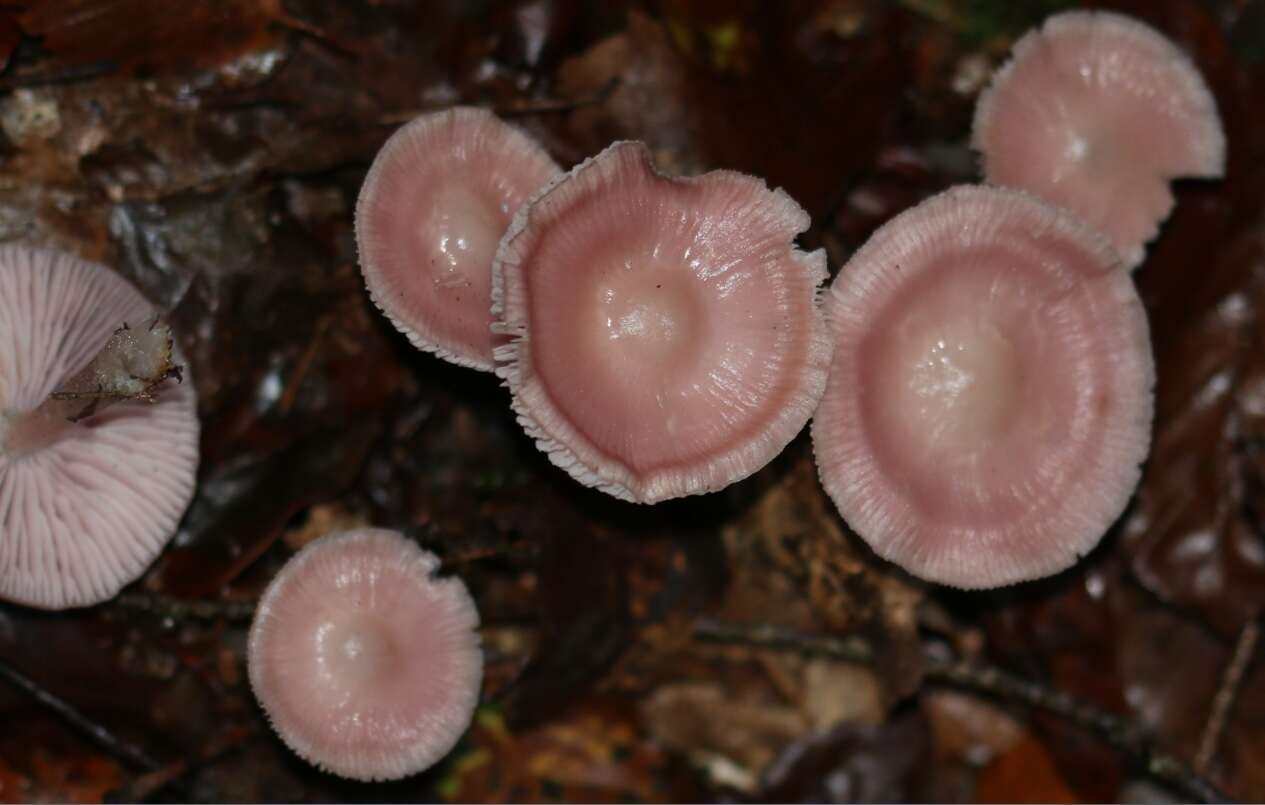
point(98, 734)
point(181, 609)
point(1231, 680)
point(237, 610)
point(147, 785)
point(522, 108)
point(58, 74)
point(543, 106)
point(1121, 734)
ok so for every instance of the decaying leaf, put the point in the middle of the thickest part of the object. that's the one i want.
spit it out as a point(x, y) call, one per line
point(152, 34)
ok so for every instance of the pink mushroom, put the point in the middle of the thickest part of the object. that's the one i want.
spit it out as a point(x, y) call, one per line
point(667, 339)
point(990, 395)
point(1097, 112)
point(98, 449)
point(436, 202)
point(367, 665)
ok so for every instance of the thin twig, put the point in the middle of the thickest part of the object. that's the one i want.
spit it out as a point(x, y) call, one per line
point(294, 382)
point(936, 12)
point(1121, 734)
point(542, 106)
point(179, 609)
point(240, 610)
point(524, 108)
point(1231, 680)
point(99, 734)
point(150, 783)
point(57, 74)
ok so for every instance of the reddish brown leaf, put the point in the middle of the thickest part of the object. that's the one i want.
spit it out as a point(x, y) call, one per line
point(40, 763)
point(153, 34)
point(1024, 774)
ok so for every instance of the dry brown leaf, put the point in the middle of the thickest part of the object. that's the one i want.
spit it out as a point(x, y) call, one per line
point(153, 34)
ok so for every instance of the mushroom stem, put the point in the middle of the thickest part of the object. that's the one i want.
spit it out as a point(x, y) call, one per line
point(34, 430)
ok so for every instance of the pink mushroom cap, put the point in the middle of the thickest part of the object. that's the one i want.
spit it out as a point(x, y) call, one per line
point(366, 663)
point(85, 506)
point(667, 337)
point(1097, 112)
point(433, 208)
point(990, 396)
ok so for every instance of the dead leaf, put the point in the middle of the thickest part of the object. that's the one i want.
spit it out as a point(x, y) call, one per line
point(1026, 773)
point(152, 34)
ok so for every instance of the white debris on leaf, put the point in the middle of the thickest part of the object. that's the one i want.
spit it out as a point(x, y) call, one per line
point(132, 365)
point(30, 116)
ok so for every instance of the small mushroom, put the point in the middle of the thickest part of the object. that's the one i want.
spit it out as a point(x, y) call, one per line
point(98, 440)
point(667, 339)
point(433, 208)
point(367, 665)
point(1097, 112)
point(990, 396)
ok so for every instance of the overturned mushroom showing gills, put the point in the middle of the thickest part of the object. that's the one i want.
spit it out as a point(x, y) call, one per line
point(990, 394)
point(666, 334)
point(1097, 112)
point(366, 663)
point(437, 200)
point(98, 439)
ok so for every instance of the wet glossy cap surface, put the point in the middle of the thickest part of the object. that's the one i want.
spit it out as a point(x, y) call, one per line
point(990, 396)
point(433, 208)
point(366, 663)
point(1096, 112)
point(667, 336)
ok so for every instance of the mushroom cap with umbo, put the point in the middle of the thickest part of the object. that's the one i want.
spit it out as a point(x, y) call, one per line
point(991, 392)
point(666, 333)
point(89, 494)
point(367, 664)
point(1098, 112)
point(433, 208)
